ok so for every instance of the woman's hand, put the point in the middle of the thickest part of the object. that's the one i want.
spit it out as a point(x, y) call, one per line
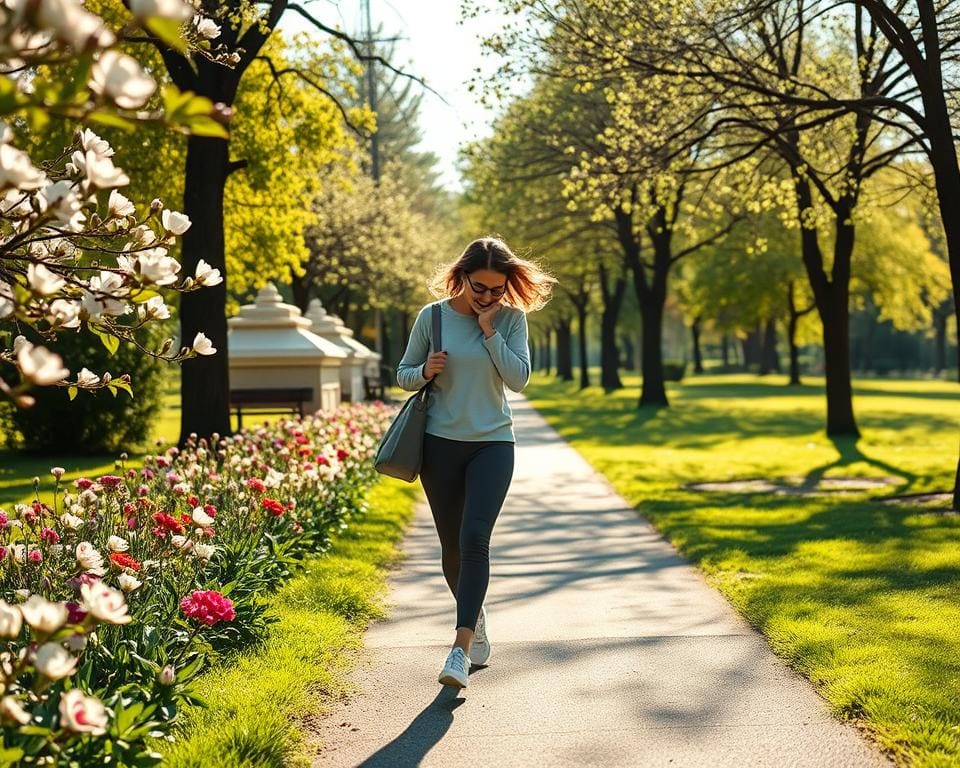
point(434, 365)
point(485, 317)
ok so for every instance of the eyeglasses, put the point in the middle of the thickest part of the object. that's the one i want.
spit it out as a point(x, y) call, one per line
point(495, 293)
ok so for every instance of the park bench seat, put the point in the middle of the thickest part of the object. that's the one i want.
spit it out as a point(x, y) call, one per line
point(269, 400)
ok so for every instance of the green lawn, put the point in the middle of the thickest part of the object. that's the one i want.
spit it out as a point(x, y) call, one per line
point(862, 598)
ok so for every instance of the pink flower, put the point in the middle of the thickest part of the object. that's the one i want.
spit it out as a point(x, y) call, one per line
point(35, 556)
point(207, 606)
point(75, 614)
point(109, 481)
point(48, 534)
point(256, 485)
point(82, 483)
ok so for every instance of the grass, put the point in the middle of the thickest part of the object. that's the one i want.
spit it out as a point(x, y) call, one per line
point(862, 598)
point(259, 702)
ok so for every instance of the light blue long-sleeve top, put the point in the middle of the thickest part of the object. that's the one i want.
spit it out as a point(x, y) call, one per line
point(469, 402)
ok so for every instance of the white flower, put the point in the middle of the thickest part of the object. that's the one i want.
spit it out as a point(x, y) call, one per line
point(73, 24)
point(64, 313)
point(156, 267)
point(202, 345)
point(207, 275)
point(10, 708)
point(208, 28)
point(201, 518)
point(154, 308)
point(89, 559)
point(129, 583)
point(63, 200)
point(118, 205)
point(174, 222)
point(121, 78)
point(43, 281)
point(180, 542)
point(42, 615)
point(53, 661)
point(117, 544)
point(17, 171)
point(87, 378)
point(81, 713)
point(10, 620)
point(167, 9)
point(91, 142)
point(105, 603)
point(40, 366)
point(100, 171)
point(204, 551)
point(7, 306)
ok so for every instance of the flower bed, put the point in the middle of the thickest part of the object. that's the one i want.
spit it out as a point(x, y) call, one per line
point(120, 592)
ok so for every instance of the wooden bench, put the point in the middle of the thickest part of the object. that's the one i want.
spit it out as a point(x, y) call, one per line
point(269, 401)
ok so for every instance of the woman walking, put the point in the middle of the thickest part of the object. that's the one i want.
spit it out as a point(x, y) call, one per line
point(468, 447)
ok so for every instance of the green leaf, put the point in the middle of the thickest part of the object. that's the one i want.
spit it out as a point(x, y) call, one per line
point(111, 342)
point(204, 125)
point(167, 30)
point(121, 384)
point(72, 392)
point(144, 295)
point(105, 117)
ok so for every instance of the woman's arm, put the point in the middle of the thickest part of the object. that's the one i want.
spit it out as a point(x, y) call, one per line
point(510, 355)
point(410, 368)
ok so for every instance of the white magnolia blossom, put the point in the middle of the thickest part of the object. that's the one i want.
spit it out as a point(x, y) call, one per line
point(73, 24)
point(207, 28)
point(202, 345)
point(82, 714)
point(10, 708)
point(207, 275)
point(63, 313)
point(54, 662)
point(99, 299)
point(118, 205)
point(87, 378)
point(174, 222)
point(120, 78)
point(7, 306)
point(91, 142)
point(62, 200)
point(166, 9)
point(156, 267)
point(154, 308)
point(99, 170)
point(40, 366)
point(42, 281)
point(105, 603)
point(17, 171)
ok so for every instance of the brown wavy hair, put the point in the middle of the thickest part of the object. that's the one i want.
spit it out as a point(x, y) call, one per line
point(528, 286)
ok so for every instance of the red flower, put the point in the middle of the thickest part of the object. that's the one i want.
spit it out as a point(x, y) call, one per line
point(210, 510)
point(256, 485)
point(109, 481)
point(341, 454)
point(192, 500)
point(48, 534)
point(74, 614)
point(273, 506)
point(165, 524)
point(321, 459)
point(208, 607)
point(82, 483)
point(35, 556)
point(123, 560)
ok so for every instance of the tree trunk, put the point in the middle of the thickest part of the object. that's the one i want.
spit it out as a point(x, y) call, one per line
point(654, 391)
point(564, 351)
point(301, 291)
point(697, 355)
point(204, 380)
point(769, 359)
point(547, 363)
point(629, 353)
point(609, 354)
point(725, 350)
point(940, 342)
point(751, 348)
point(582, 344)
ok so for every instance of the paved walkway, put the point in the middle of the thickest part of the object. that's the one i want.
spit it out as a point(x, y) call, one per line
point(608, 650)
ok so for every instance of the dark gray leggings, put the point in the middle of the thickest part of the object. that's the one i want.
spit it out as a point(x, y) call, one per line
point(466, 483)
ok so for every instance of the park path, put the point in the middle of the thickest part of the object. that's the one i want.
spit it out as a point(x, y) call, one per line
point(608, 650)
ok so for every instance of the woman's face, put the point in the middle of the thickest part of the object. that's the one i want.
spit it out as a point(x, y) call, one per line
point(484, 287)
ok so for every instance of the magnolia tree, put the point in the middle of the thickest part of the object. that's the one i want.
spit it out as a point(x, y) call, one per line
point(75, 253)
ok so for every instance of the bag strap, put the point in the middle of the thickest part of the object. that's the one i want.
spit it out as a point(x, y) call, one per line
point(437, 335)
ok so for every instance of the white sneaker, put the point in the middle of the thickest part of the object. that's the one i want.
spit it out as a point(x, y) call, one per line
point(456, 668)
point(480, 647)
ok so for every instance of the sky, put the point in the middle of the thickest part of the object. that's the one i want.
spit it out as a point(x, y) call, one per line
point(436, 47)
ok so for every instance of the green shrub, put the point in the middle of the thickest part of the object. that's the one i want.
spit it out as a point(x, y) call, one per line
point(94, 422)
point(673, 370)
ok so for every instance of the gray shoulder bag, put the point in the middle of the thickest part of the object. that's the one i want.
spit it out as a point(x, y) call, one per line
point(400, 452)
